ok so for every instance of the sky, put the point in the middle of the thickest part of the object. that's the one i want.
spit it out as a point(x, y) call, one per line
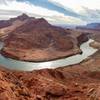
point(73, 12)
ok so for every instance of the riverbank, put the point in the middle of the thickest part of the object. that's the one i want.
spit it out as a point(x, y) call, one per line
point(36, 40)
point(75, 59)
point(46, 54)
point(95, 45)
point(80, 81)
point(35, 56)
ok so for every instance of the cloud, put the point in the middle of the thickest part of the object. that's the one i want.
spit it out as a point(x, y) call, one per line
point(9, 8)
point(91, 15)
point(55, 7)
point(14, 5)
point(55, 11)
point(89, 10)
point(6, 14)
point(65, 20)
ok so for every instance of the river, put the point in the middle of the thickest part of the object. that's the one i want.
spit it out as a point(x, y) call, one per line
point(29, 66)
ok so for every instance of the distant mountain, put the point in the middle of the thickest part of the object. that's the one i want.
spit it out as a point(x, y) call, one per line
point(92, 26)
point(66, 26)
point(4, 23)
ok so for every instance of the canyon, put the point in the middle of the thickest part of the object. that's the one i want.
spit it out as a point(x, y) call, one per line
point(36, 40)
point(77, 82)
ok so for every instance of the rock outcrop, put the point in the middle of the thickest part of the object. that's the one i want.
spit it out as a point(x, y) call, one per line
point(37, 40)
point(82, 38)
point(7, 26)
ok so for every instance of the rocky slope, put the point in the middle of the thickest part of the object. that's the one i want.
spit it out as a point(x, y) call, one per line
point(7, 26)
point(37, 40)
point(77, 82)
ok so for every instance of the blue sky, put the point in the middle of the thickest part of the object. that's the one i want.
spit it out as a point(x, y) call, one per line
point(52, 6)
point(55, 11)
